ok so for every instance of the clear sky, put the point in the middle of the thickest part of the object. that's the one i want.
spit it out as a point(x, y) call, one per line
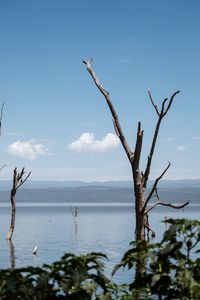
point(56, 122)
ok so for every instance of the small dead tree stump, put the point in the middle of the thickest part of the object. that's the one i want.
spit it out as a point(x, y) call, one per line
point(18, 181)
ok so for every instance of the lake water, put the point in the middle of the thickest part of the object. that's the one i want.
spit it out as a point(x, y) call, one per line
point(98, 227)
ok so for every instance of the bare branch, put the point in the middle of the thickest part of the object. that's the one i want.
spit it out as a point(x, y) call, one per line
point(98, 84)
point(112, 110)
point(170, 102)
point(163, 107)
point(115, 127)
point(153, 103)
point(23, 180)
point(150, 156)
point(20, 174)
point(155, 186)
point(138, 147)
point(162, 113)
point(2, 168)
point(150, 229)
point(167, 204)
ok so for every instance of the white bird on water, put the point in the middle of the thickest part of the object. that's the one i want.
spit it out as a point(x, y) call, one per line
point(35, 250)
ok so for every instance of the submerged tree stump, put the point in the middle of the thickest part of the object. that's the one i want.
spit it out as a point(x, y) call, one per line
point(17, 182)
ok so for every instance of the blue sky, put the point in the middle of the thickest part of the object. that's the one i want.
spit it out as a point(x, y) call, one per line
point(56, 122)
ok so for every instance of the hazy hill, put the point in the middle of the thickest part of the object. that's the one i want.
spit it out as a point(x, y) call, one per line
point(95, 193)
point(31, 184)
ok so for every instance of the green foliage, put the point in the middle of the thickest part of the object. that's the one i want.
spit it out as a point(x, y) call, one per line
point(73, 277)
point(166, 270)
point(169, 269)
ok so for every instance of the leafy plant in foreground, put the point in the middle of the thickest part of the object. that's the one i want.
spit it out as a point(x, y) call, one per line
point(169, 269)
point(73, 277)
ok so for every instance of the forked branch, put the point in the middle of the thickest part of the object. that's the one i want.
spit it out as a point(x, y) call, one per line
point(170, 103)
point(167, 204)
point(161, 115)
point(159, 202)
point(154, 187)
point(18, 179)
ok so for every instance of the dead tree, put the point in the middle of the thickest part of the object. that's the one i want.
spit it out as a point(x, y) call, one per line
point(74, 211)
point(18, 181)
point(140, 178)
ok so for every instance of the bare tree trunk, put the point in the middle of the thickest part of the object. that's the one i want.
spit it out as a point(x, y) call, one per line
point(140, 178)
point(17, 182)
point(12, 254)
point(13, 215)
point(139, 200)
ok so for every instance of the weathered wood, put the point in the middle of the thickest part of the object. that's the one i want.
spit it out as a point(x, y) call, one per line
point(116, 122)
point(12, 254)
point(153, 189)
point(140, 179)
point(159, 202)
point(18, 180)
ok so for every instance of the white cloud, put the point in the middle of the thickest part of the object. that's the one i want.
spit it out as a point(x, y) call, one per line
point(88, 143)
point(28, 149)
point(180, 148)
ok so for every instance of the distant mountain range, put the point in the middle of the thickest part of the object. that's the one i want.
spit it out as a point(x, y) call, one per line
point(31, 184)
point(94, 192)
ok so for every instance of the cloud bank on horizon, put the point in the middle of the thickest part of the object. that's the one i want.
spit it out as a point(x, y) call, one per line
point(28, 149)
point(88, 143)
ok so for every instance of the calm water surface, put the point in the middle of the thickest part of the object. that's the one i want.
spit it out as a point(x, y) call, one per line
point(51, 227)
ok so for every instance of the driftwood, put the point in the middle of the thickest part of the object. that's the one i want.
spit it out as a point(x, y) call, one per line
point(140, 178)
